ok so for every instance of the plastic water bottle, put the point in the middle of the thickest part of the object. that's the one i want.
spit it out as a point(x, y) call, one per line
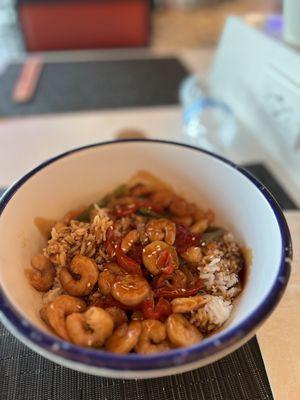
point(208, 122)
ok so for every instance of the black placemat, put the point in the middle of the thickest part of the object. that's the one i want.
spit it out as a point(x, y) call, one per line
point(265, 176)
point(79, 86)
point(241, 375)
point(25, 375)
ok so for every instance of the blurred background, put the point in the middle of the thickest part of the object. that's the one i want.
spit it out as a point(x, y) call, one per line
point(219, 74)
point(167, 23)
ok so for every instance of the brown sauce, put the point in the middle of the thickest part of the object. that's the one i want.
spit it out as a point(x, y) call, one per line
point(248, 257)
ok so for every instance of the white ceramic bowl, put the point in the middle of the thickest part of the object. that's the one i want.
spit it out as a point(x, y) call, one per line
point(79, 177)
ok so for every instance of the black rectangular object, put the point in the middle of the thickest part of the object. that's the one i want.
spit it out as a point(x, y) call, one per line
point(79, 86)
point(264, 175)
point(26, 375)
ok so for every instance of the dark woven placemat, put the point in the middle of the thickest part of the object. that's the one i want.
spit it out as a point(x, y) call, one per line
point(79, 86)
point(25, 375)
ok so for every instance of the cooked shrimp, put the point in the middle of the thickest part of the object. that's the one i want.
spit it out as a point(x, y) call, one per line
point(72, 214)
point(178, 279)
point(114, 268)
point(105, 282)
point(161, 229)
point(124, 338)
point(192, 255)
point(181, 208)
point(162, 198)
point(108, 276)
point(141, 190)
point(65, 220)
point(58, 309)
point(43, 273)
point(130, 290)
point(181, 332)
point(152, 338)
point(126, 200)
point(146, 249)
point(151, 256)
point(203, 220)
point(200, 226)
point(43, 313)
point(119, 316)
point(186, 304)
point(128, 240)
point(147, 179)
point(87, 271)
point(188, 220)
point(91, 328)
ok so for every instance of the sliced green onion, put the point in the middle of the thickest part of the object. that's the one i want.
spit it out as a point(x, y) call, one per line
point(120, 191)
point(104, 201)
point(85, 215)
point(149, 213)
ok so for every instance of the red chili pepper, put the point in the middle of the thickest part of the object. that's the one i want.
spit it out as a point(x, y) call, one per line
point(160, 280)
point(163, 307)
point(136, 253)
point(164, 262)
point(191, 275)
point(163, 258)
point(122, 210)
point(181, 292)
point(127, 263)
point(161, 310)
point(177, 279)
point(169, 269)
point(150, 204)
point(110, 244)
point(104, 302)
point(185, 238)
point(147, 308)
point(109, 301)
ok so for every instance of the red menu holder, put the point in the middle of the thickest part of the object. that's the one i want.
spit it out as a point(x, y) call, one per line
point(82, 24)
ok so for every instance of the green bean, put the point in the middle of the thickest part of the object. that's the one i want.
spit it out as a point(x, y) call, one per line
point(85, 215)
point(120, 191)
point(212, 234)
point(104, 201)
point(149, 213)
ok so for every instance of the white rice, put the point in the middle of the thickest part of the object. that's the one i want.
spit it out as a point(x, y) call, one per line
point(52, 294)
point(83, 238)
point(212, 315)
point(219, 269)
point(218, 279)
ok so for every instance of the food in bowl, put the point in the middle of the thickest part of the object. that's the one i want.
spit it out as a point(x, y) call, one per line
point(142, 270)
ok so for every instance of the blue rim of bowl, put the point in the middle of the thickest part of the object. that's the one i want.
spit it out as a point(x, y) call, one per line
point(135, 362)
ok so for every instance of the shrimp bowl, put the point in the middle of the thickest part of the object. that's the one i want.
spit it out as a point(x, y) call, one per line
point(139, 258)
